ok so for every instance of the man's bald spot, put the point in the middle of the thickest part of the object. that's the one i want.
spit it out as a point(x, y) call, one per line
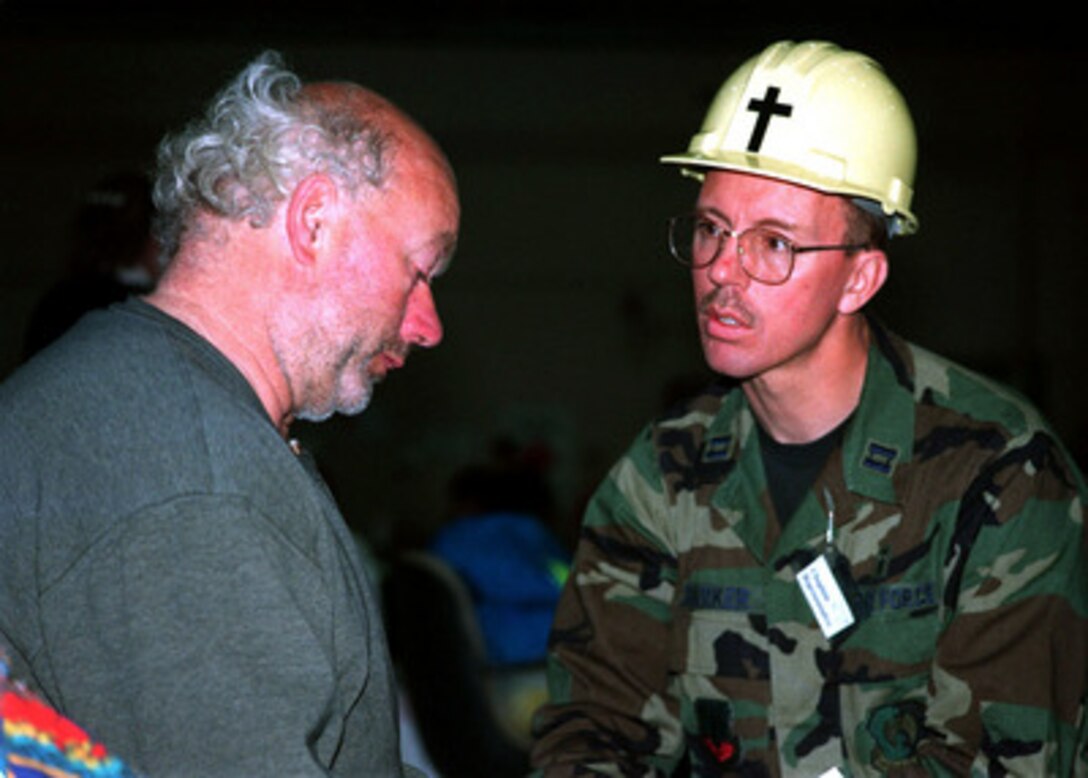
point(336, 96)
point(369, 107)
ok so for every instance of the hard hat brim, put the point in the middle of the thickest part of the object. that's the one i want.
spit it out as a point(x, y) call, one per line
point(695, 165)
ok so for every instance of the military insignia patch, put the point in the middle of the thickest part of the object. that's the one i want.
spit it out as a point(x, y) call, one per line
point(717, 448)
point(896, 730)
point(879, 457)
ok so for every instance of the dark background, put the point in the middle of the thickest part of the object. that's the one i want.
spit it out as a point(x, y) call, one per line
point(566, 326)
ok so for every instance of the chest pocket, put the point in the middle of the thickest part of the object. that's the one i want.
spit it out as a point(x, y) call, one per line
point(721, 631)
point(720, 671)
point(897, 630)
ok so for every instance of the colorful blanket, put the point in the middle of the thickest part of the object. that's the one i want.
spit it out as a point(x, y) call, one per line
point(38, 742)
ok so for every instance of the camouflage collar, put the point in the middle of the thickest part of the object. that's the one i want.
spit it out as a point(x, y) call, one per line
point(880, 437)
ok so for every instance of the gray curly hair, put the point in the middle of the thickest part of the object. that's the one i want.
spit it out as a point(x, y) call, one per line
point(257, 140)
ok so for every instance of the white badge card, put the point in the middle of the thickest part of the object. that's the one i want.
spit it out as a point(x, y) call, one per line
point(825, 598)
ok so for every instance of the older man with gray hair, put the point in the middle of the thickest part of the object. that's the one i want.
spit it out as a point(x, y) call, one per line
point(173, 573)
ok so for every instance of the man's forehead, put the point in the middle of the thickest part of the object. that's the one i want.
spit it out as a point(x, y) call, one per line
point(446, 248)
point(428, 218)
point(735, 187)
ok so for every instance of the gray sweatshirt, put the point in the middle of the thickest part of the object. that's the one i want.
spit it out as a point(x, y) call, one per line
point(173, 576)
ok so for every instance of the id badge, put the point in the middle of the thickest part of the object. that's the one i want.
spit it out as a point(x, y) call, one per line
point(825, 597)
point(822, 580)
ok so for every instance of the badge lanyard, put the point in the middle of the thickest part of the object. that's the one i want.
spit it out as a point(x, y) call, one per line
point(820, 587)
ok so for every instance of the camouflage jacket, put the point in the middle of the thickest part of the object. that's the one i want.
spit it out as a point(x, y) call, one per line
point(683, 645)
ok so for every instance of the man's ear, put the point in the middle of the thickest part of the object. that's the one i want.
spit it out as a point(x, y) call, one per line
point(867, 276)
point(309, 216)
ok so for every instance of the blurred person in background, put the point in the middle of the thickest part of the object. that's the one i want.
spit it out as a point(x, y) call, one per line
point(114, 254)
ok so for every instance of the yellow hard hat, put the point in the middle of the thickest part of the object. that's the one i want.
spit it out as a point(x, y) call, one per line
point(813, 114)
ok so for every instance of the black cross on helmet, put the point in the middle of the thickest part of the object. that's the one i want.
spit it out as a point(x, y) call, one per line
point(817, 115)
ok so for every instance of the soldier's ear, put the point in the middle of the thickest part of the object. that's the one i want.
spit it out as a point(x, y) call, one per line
point(869, 271)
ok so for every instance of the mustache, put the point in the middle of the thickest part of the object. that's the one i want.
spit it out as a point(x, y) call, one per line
point(398, 349)
point(728, 300)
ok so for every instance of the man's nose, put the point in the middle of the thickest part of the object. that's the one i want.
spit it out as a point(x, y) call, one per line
point(727, 268)
point(421, 325)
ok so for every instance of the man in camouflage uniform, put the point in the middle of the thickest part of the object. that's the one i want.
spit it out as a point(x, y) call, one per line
point(851, 557)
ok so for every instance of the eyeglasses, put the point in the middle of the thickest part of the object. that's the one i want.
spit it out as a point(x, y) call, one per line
point(696, 240)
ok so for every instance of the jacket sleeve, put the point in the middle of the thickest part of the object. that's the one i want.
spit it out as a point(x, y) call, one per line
point(611, 712)
point(1008, 683)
